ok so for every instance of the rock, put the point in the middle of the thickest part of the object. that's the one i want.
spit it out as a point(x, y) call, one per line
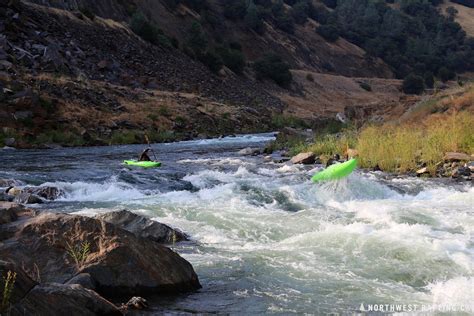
point(27, 198)
point(460, 172)
point(137, 302)
point(453, 156)
point(14, 191)
point(48, 193)
point(351, 153)
point(9, 183)
point(143, 227)
point(249, 151)
point(10, 142)
point(23, 282)
point(7, 215)
point(83, 279)
point(470, 165)
point(422, 171)
point(102, 65)
point(119, 262)
point(64, 299)
point(304, 158)
point(5, 197)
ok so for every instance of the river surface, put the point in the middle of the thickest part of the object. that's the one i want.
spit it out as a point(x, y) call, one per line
point(266, 239)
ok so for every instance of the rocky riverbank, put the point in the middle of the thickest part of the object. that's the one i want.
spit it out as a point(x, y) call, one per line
point(296, 146)
point(56, 263)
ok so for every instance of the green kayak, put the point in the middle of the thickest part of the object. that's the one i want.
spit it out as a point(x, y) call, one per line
point(336, 171)
point(143, 164)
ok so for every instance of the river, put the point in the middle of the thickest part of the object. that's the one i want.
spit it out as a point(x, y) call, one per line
point(267, 240)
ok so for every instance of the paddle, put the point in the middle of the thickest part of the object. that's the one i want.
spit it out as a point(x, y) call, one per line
point(149, 146)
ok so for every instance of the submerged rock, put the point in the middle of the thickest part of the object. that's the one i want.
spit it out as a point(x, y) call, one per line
point(143, 227)
point(304, 158)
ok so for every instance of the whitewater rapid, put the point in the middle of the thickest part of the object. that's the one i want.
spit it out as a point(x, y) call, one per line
point(265, 239)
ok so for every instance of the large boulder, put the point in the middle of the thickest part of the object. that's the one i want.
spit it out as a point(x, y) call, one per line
point(27, 198)
point(8, 212)
point(304, 158)
point(63, 299)
point(47, 193)
point(118, 261)
point(143, 227)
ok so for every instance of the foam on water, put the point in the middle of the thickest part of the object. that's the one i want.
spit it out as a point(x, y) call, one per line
point(269, 240)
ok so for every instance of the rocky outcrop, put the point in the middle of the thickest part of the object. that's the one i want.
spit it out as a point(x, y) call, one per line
point(304, 158)
point(118, 262)
point(66, 263)
point(143, 227)
point(45, 192)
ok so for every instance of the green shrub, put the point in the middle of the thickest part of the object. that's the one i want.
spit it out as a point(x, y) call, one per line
point(232, 58)
point(88, 13)
point(212, 61)
point(329, 32)
point(413, 84)
point(365, 86)
point(143, 28)
point(310, 77)
point(7, 289)
point(446, 74)
point(273, 67)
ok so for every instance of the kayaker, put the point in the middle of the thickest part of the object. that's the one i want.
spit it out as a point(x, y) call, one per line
point(144, 155)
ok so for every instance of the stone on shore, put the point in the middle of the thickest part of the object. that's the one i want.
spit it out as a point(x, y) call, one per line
point(304, 158)
point(421, 171)
point(453, 156)
point(143, 227)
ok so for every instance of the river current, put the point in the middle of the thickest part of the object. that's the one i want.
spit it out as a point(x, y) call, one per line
point(267, 240)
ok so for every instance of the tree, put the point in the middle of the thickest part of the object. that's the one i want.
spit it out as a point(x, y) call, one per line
point(429, 79)
point(197, 41)
point(143, 28)
point(234, 59)
point(329, 32)
point(275, 68)
point(252, 18)
point(413, 84)
point(446, 74)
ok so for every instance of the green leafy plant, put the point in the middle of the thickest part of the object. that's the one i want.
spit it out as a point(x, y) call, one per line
point(8, 285)
point(79, 253)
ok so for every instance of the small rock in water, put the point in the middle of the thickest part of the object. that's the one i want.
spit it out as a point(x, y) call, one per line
point(27, 198)
point(10, 183)
point(137, 302)
point(48, 193)
point(14, 191)
point(249, 151)
point(304, 158)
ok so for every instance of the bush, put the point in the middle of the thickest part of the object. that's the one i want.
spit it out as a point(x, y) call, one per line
point(212, 61)
point(235, 9)
point(197, 40)
point(365, 86)
point(273, 67)
point(329, 32)
point(285, 23)
point(233, 59)
point(310, 77)
point(144, 29)
point(446, 74)
point(300, 11)
point(252, 19)
point(413, 84)
point(429, 79)
point(88, 13)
